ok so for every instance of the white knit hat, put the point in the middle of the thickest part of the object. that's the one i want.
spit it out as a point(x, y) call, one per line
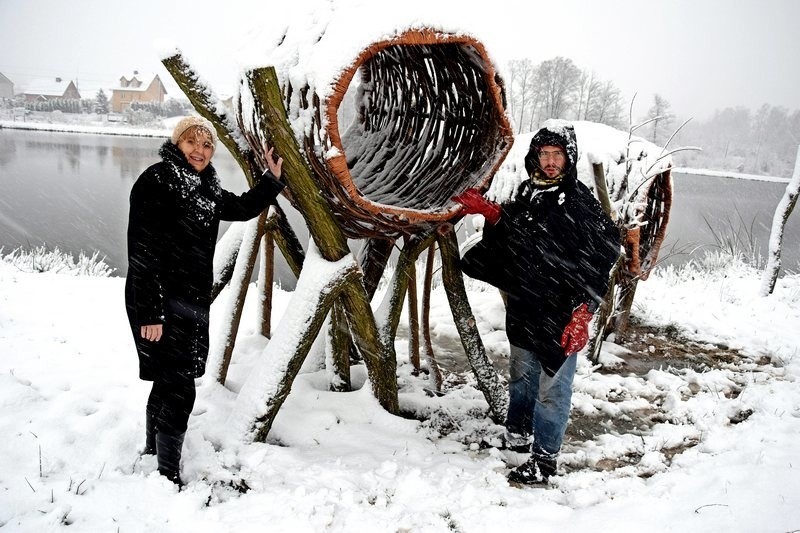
point(190, 121)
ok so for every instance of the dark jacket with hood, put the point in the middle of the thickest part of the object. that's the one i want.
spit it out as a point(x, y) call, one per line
point(551, 251)
point(172, 231)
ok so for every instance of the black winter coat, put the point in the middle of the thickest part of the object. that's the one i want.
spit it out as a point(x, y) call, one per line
point(551, 251)
point(172, 232)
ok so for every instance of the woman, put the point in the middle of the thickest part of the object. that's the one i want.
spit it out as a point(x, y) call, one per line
point(175, 209)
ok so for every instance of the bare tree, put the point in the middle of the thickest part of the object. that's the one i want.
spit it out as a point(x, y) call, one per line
point(782, 213)
point(739, 139)
point(558, 79)
point(523, 90)
point(588, 87)
point(607, 106)
point(660, 117)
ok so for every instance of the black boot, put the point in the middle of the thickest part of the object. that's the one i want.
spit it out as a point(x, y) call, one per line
point(169, 456)
point(547, 464)
point(535, 471)
point(150, 435)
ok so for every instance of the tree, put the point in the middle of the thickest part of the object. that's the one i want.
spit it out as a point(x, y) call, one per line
point(588, 87)
point(782, 213)
point(661, 119)
point(524, 90)
point(607, 106)
point(558, 79)
point(101, 103)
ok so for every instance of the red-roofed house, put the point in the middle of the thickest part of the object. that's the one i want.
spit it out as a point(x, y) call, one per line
point(132, 89)
point(51, 89)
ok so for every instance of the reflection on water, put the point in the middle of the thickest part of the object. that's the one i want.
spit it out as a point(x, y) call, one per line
point(71, 191)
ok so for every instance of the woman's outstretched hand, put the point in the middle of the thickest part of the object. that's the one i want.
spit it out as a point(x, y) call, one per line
point(272, 165)
point(152, 332)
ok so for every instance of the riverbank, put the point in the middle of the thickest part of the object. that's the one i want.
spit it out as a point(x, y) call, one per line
point(728, 174)
point(129, 131)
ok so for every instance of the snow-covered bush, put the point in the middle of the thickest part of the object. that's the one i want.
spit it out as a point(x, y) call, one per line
point(40, 259)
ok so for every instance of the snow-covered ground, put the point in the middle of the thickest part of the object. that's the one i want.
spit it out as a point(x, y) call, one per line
point(720, 454)
point(729, 174)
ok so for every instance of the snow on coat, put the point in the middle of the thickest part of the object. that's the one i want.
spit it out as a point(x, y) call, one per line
point(551, 251)
point(172, 231)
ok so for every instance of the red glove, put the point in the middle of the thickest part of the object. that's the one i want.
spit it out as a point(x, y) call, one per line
point(473, 203)
point(576, 334)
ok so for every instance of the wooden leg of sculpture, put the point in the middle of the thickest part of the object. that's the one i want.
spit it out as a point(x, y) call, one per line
point(452, 278)
point(269, 114)
point(425, 325)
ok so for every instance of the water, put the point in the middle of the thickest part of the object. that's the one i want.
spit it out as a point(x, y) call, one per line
point(709, 211)
point(71, 191)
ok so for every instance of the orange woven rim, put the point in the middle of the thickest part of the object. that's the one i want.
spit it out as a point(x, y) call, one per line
point(337, 165)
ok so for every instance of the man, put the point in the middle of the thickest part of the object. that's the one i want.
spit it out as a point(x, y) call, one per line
point(550, 250)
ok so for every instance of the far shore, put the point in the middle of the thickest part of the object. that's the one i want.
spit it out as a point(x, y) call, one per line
point(157, 132)
point(85, 128)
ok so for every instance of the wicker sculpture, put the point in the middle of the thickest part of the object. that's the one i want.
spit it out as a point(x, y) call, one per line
point(430, 123)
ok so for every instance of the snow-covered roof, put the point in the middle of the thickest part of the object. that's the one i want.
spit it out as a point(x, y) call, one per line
point(146, 79)
point(47, 86)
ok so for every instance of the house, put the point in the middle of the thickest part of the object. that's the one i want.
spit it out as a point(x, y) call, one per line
point(51, 89)
point(6, 87)
point(133, 89)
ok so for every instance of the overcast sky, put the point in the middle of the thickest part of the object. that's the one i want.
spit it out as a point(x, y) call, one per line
point(699, 54)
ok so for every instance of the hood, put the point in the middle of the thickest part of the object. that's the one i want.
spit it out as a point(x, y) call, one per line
point(553, 133)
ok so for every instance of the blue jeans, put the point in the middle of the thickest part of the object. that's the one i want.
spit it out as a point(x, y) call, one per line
point(539, 404)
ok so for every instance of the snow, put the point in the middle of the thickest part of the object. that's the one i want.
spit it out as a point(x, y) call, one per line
point(73, 409)
point(84, 128)
point(729, 174)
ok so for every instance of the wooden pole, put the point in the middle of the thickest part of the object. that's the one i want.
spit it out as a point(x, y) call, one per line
point(266, 277)
point(263, 423)
point(272, 122)
point(339, 348)
point(245, 264)
point(373, 257)
point(412, 247)
point(413, 317)
point(427, 345)
point(488, 380)
point(602, 189)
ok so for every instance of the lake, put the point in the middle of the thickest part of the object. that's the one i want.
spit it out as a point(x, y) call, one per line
point(71, 190)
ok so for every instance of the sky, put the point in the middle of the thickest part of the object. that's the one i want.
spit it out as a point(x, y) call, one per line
point(701, 55)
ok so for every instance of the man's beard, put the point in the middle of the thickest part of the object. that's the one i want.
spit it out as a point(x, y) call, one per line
point(557, 171)
point(540, 179)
